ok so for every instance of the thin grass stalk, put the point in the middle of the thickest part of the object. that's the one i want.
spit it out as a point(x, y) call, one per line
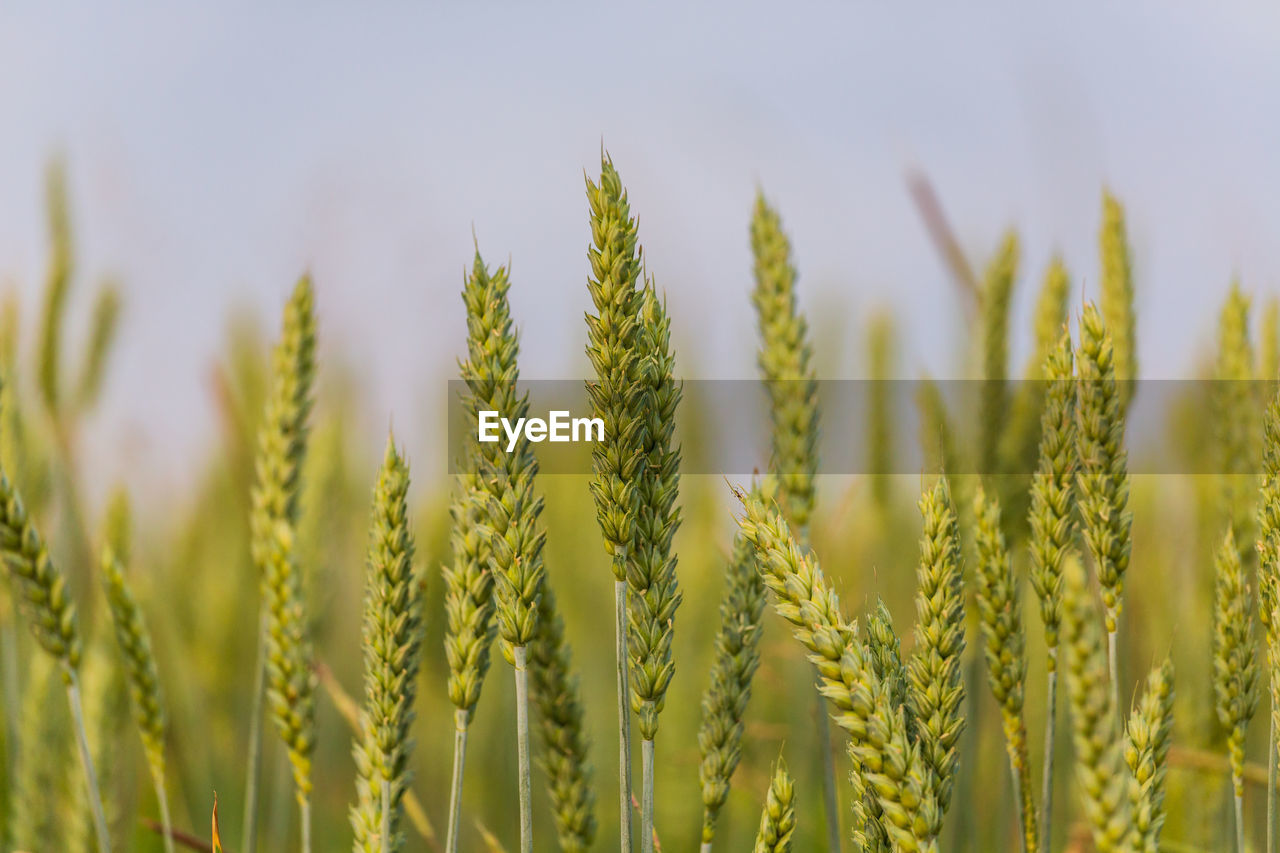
point(304, 815)
point(1050, 747)
point(624, 714)
point(522, 747)
point(646, 796)
point(86, 762)
point(461, 720)
point(253, 766)
point(162, 800)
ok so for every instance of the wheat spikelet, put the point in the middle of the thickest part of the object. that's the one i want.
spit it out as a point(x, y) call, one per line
point(1100, 771)
point(392, 647)
point(936, 693)
point(884, 654)
point(468, 602)
point(778, 820)
point(1103, 480)
point(286, 648)
point(725, 701)
point(1146, 752)
point(999, 606)
point(891, 764)
point(556, 695)
point(1235, 672)
point(1118, 295)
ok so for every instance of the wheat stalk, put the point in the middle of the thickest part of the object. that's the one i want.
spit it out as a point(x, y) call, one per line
point(52, 617)
point(134, 642)
point(1100, 771)
point(284, 651)
point(936, 683)
point(511, 508)
point(891, 763)
point(1147, 751)
point(615, 398)
point(1118, 295)
point(392, 630)
point(778, 819)
point(725, 701)
point(1053, 530)
point(999, 606)
point(1234, 667)
point(654, 593)
point(785, 360)
point(1103, 480)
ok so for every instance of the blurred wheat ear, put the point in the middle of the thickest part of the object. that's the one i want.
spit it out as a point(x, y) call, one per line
point(1234, 664)
point(778, 820)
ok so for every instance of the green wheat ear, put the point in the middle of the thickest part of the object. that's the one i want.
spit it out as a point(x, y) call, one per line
point(1236, 426)
point(468, 602)
point(997, 294)
point(102, 334)
point(1118, 295)
point(786, 363)
point(558, 698)
point(392, 648)
point(1234, 659)
point(999, 605)
point(884, 654)
point(778, 820)
point(936, 689)
point(724, 703)
point(1147, 751)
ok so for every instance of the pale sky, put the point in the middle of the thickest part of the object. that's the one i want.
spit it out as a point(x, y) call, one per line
point(215, 153)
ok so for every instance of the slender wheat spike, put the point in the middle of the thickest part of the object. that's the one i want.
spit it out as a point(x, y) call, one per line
point(654, 592)
point(102, 334)
point(786, 364)
point(1146, 753)
point(52, 617)
point(724, 704)
point(1235, 673)
point(1269, 346)
point(512, 509)
point(778, 820)
point(891, 763)
point(1100, 770)
point(999, 605)
point(1236, 426)
point(470, 629)
point(616, 396)
point(1053, 530)
point(1118, 295)
point(997, 293)
point(392, 650)
point(134, 642)
point(1104, 472)
point(285, 676)
point(57, 287)
point(1268, 546)
point(556, 695)
point(936, 692)
point(884, 653)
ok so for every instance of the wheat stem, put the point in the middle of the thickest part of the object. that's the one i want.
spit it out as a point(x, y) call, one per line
point(461, 719)
point(162, 799)
point(304, 815)
point(830, 801)
point(1113, 668)
point(520, 654)
point(1050, 731)
point(646, 796)
point(1239, 804)
point(384, 831)
point(624, 712)
point(253, 772)
point(86, 762)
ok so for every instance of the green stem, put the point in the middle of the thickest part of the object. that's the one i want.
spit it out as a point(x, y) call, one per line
point(162, 799)
point(1046, 808)
point(1115, 670)
point(1019, 795)
point(646, 797)
point(829, 799)
point(460, 720)
point(1239, 791)
point(520, 654)
point(705, 848)
point(384, 832)
point(12, 689)
point(304, 813)
point(624, 713)
point(86, 761)
point(253, 773)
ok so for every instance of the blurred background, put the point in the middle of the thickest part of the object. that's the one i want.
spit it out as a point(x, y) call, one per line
point(211, 155)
